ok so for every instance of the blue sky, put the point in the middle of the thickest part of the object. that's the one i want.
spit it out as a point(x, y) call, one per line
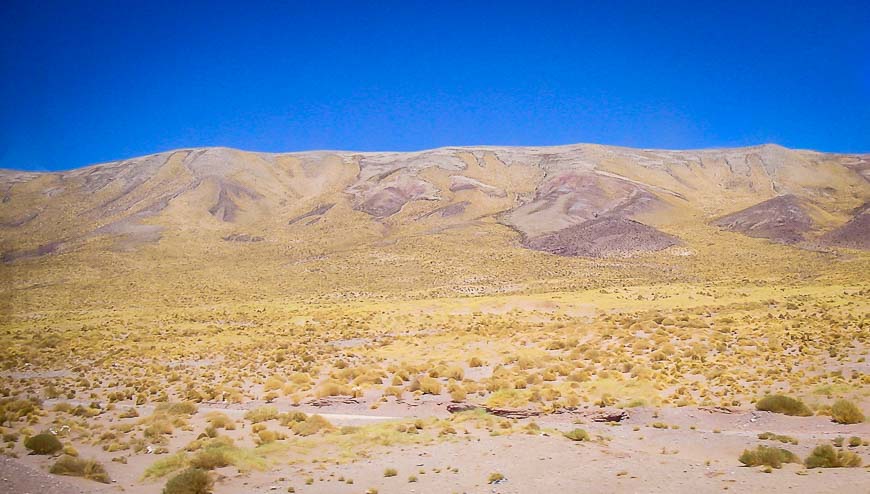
point(87, 82)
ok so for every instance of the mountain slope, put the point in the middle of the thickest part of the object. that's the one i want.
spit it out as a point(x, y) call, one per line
point(454, 219)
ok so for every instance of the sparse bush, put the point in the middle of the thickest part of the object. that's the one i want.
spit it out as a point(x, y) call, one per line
point(390, 472)
point(767, 456)
point(182, 408)
point(286, 419)
point(776, 437)
point(312, 425)
point(220, 420)
point(43, 444)
point(261, 414)
point(846, 412)
point(210, 458)
point(426, 385)
point(577, 435)
point(166, 465)
point(825, 456)
point(783, 404)
point(854, 441)
point(190, 481)
point(267, 436)
point(77, 467)
point(495, 477)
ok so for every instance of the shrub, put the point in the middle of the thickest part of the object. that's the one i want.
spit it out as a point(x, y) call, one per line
point(390, 472)
point(77, 467)
point(854, 441)
point(220, 420)
point(783, 404)
point(262, 414)
point(166, 465)
point(495, 477)
point(846, 412)
point(427, 385)
point(776, 437)
point(291, 418)
point(43, 444)
point(577, 435)
point(312, 425)
point(267, 436)
point(210, 458)
point(458, 395)
point(190, 481)
point(825, 456)
point(183, 408)
point(767, 456)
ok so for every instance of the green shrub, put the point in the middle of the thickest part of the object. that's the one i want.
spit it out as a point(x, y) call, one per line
point(190, 481)
point(783, 404)
point(77, 467)
point(166, 465)
point(577, 435)
point(846, 412)
point(855, 441)
point(43, 444)
point(210, 458)
point(767, 456)
point(825, 456)
point(390, 472)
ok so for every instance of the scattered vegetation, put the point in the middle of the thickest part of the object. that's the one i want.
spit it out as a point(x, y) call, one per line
point(846, 412)
point(577, 435)
point(767, 456)
point(495, 477)
point(190, 481)
point(825, 456)
point(776, 437)
point(43, 444)
point(783, 404)
point(77, 467)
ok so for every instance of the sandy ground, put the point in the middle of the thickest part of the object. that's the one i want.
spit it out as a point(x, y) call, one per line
point(18, 477)
point(697, 453)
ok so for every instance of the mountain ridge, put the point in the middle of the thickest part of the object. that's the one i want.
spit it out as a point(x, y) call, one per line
point(536, 191)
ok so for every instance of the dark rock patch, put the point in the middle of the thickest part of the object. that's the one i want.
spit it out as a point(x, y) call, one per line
point(42, 250)
point(243, 237)
point(781, 219)
point(600, 237)
point(449, 210)
point(225, 208)
point(854, 234)
point(20, 222)
point(318, 211)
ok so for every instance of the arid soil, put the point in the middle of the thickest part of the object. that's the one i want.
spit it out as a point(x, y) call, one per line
point(693, 450)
